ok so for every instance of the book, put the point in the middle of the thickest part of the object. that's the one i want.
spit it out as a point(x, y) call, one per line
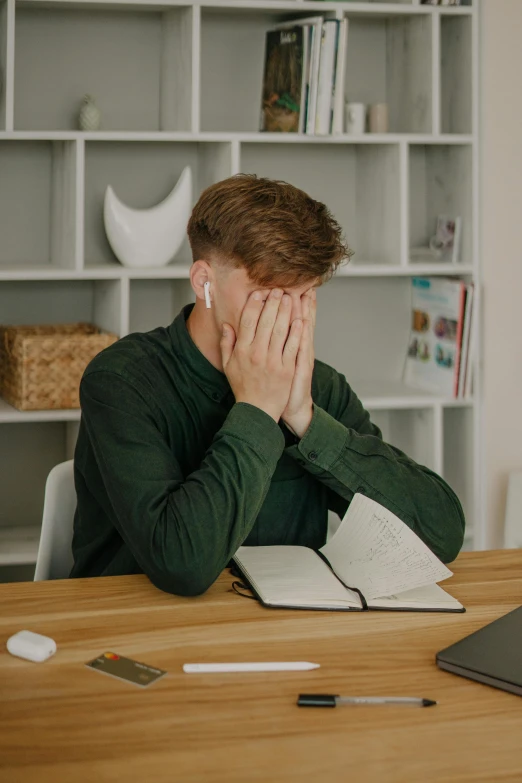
point(305, 84)
point(434, 344)
point(316, 25)
point(312, 27)
point(490, 655)
point(334, 77)
point(340, 77)
point(323, 115)
point(468, 372)
point(282, 80)
point(373, 561)
point(466, 332)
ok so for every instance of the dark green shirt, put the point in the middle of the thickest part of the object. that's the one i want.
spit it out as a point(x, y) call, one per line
point(172, 475)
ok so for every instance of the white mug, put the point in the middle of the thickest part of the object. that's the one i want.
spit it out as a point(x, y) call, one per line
point(378, 118)
point(355, 118)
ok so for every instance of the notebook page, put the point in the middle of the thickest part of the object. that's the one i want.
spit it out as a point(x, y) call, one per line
point(427, 597)
point(376, 552)
point(293, 576)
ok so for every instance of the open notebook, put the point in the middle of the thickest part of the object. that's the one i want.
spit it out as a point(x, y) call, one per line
point(373, 561)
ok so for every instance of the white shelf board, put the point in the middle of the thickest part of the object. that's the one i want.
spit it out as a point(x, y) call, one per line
point(408, 270)
point(15, 273)
point(10, 415)
point(222, 136)
point(385, 395)
point(19, 545)
point(177, 271)
point(353, 9)
point(347, 138)
point(395, 395)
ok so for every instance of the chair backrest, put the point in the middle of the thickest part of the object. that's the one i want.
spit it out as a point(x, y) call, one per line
point(55, 558)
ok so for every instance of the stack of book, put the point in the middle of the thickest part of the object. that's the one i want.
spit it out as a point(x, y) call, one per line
point(440, 345)
point(303, 81)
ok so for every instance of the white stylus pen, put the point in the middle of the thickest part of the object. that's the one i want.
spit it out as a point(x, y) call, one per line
point(274, 666)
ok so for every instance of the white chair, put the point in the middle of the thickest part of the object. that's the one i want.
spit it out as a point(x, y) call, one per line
point(55, 558)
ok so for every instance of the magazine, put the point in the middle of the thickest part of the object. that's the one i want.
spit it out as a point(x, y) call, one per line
point(283, 80)
point(434, 346)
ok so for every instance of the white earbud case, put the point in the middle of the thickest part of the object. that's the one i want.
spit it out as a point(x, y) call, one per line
point(31, 646)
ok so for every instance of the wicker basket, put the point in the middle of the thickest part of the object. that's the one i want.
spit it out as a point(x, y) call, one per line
point(41, 366)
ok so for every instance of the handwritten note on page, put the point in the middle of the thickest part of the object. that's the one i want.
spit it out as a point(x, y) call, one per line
point(379, 554)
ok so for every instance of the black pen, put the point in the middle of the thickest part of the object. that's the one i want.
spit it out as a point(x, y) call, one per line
point(331, 700)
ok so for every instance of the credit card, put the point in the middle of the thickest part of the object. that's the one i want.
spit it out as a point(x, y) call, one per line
point(126, 669)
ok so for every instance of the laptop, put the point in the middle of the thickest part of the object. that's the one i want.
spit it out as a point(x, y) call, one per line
point(492, 655)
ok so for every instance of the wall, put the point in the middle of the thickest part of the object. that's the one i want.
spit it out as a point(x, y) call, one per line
point(501, 249)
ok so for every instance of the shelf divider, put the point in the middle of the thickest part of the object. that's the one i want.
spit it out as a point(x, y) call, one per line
point(404, 196)
point(67, 204)
point(435, 73)
point(7, 27)
point(196, 69)
point(177, 65)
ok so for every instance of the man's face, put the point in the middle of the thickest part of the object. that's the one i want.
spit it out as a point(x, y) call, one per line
point(231, 289)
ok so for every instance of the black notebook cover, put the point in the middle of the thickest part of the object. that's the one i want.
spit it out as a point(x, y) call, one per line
point(492, 655)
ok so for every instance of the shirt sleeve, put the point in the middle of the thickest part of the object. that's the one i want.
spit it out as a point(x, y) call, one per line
point(182, 530)
point(344, 450)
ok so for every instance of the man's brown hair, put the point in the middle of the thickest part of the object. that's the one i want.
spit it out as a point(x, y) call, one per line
point(275, 231)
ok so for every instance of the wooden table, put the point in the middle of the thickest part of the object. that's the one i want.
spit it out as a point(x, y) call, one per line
point(61, 721)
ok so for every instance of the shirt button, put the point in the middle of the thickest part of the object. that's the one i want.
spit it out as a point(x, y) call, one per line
point(216, 396)
point(313, 455)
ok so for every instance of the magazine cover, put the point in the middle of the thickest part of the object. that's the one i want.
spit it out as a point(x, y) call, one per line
point(433, 355)
point(281, 100)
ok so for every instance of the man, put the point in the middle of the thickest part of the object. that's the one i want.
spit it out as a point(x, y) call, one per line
point(221, 429)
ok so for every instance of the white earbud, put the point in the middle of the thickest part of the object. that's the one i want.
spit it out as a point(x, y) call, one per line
point(206, 288)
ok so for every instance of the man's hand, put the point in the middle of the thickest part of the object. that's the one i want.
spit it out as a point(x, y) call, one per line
point(299, 410)
point(260, 363)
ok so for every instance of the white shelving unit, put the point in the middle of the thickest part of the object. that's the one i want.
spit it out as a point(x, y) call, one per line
point(179, 83)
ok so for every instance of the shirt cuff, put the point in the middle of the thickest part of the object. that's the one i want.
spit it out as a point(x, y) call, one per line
point(257, 429)
point(322, 444)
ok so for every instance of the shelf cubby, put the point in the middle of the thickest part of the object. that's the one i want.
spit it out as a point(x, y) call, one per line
point(142, 174)
point(389, 60)
point(383, 306)
point(359, 183)
point(411, 431)
point(440, 183)
point(38, 201)
point(64, 301)
point(30, 450)
point(137, 64)
point(456, 74)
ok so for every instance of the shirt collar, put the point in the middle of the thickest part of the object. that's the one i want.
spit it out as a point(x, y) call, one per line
point(210, 380)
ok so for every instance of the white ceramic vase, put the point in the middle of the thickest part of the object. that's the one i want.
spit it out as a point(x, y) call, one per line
point(149, 237)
